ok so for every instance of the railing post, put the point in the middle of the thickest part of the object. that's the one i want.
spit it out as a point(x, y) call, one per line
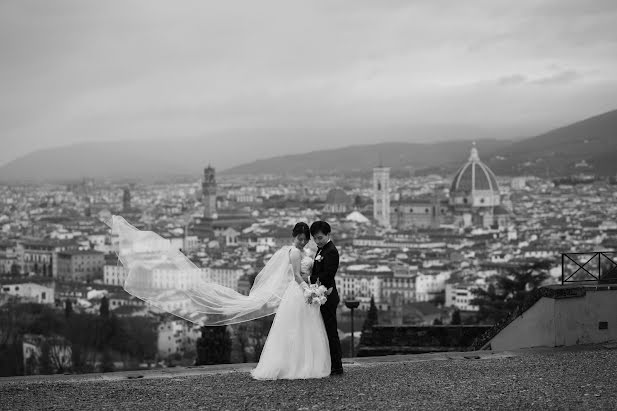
point(599, 267)
point(563, 263)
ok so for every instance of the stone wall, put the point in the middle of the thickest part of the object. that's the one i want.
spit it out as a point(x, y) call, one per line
point(410, 339)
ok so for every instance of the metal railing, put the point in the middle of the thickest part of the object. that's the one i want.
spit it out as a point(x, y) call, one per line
point(596, 266)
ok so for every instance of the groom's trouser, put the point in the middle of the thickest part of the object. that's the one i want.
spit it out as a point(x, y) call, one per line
point(328, 314)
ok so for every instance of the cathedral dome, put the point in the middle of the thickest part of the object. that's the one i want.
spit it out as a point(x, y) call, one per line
point(337, 196)
point(474, 175)
point(475, 184)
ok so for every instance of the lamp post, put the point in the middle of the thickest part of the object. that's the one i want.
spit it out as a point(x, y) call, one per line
point(352, 304)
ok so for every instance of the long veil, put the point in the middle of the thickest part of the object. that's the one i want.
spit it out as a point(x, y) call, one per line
point(165, 278)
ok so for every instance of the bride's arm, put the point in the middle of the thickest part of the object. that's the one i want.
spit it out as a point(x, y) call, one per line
point(296, 257)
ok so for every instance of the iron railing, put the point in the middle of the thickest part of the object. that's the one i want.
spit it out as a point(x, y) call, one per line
point(596, 266)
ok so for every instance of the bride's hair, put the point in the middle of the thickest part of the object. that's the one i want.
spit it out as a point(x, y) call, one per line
point(301, 228)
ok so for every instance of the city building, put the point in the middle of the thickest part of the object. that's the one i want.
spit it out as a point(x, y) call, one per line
point(9, 259)
point(429, 285)
point(460, 296)
point(36, 257)
point(30, 292)
point(114, 274)
point(79, 265)
point(176, 337)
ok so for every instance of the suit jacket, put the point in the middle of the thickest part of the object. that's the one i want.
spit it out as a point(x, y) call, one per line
point(325, 270)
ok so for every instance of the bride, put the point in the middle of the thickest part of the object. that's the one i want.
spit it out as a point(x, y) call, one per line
point(297, 345)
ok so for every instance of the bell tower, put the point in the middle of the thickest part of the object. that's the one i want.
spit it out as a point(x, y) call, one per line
point(381, 195)
point(208, 187)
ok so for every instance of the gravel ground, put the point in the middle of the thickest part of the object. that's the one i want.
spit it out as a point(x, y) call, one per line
point(549, 379)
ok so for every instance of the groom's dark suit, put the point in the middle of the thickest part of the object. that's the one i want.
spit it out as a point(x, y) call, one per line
point(325, 271)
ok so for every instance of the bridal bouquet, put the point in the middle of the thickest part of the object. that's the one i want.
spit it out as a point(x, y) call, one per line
point(315, 294)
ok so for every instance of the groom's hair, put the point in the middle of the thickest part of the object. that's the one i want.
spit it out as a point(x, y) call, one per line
point(320, 226)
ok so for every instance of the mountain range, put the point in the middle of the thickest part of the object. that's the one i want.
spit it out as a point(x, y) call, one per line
point(585, 146)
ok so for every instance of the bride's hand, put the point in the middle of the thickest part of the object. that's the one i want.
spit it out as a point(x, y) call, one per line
point(329, 291)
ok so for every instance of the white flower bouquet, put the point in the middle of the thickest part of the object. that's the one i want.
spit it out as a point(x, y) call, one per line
point(315, 294)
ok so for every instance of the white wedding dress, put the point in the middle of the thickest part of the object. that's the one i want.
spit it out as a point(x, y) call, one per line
point(297, 345)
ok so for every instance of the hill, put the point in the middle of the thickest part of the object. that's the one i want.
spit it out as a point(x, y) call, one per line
point(401, 157)
point(563, 151)
point(586, 146)
point(186, 158)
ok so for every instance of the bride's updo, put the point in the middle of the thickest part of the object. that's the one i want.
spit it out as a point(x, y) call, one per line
point(301, 228)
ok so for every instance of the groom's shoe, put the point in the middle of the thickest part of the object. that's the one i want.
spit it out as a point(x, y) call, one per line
point(338, 371)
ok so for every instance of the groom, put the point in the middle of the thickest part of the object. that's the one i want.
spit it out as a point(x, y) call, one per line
point(324, 269)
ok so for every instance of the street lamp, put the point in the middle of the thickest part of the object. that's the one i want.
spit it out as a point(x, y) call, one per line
point(352, 304)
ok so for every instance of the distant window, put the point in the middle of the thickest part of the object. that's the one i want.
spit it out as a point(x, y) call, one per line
point(426, 210)
point(465, 200)
point(482, 200)
point(43, 296)
point(16, 288)
point(378, 186)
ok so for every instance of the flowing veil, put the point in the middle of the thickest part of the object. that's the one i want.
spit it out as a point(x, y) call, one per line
point(165, 278)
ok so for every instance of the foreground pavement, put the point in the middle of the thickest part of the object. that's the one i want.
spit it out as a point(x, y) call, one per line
point(569, 378)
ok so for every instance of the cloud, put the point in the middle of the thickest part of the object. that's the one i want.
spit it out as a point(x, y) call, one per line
point(557, 77)
point(562, 77)
point(76, 71)
point(512, 79)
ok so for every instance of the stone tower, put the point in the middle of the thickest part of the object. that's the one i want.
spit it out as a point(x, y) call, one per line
point(381, 195)
point(208, 187)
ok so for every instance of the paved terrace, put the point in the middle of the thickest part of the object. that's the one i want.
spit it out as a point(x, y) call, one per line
point(583, 377)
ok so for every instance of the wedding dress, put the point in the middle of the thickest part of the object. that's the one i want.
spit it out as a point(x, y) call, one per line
point(297, 345)
point(161, 275)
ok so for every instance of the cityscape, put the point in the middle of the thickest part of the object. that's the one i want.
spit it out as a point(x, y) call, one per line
point(414, 249)
point(339, 205)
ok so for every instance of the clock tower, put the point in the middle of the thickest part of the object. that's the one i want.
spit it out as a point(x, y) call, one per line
point(208, 187)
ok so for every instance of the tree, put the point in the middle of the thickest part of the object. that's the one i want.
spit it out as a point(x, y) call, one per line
point(107, 363)
point(32, 365)
point(456, 318)
point(371, 317)
point(439, 299)
point(104, 309)
point(608, 271)
point(68, 308)
point(509, 291)
point(214, 346)
point(261, 329)
point(45, 362)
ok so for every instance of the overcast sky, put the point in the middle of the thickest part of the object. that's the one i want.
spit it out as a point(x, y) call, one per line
point(77, 71)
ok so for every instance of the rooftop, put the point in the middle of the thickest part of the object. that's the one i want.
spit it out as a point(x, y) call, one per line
point(579, 377)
